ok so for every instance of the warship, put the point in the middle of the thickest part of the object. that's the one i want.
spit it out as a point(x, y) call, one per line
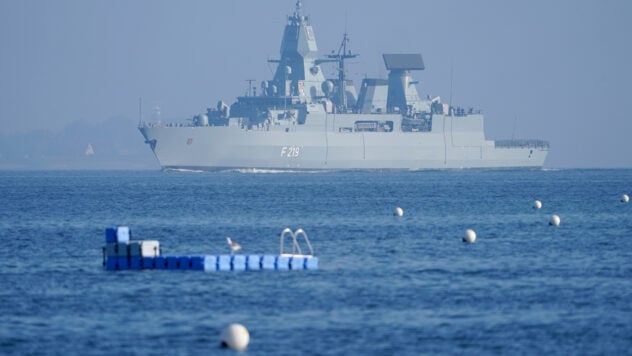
point(301, 120)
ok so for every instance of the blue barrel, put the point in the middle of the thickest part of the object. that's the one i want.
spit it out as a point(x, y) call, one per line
point(296, 262)
point(197, 263)
point(160, 263)
point(210, 263)
point(111, 264)
point(239, 263)
point(148, 263)
point(253, 262)
point(282, 263)
point(172, 262)
point(224, 262)
point(123, 234)
point(110, 235)
point(268, 262)
point(122, 263)
point(184, 262)
point(311, 263)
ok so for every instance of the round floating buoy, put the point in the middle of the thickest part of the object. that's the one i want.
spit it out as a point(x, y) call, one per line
point(236, 337)
point(625, 198)
point(537, 204)
point(469, 236)
point(399, 211)
point(555, 220)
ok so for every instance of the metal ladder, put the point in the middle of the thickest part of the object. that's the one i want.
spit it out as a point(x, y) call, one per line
point(296, 249)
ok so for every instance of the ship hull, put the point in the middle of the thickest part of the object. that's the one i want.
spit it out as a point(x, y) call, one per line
point(224, 147)
point(303, 120)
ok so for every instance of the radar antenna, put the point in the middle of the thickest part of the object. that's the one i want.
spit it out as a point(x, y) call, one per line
point(343, 53)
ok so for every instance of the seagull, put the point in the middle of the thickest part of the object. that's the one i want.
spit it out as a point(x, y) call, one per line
point(233, 245)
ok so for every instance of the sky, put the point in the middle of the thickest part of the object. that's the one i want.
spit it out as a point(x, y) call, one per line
point(554, 70)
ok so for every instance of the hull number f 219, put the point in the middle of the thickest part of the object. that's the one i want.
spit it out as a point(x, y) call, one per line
point(290, 151)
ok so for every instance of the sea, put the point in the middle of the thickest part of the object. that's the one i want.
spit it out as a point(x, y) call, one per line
point(386, 284)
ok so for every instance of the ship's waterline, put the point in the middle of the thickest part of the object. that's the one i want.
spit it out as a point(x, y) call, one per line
point(302, 120)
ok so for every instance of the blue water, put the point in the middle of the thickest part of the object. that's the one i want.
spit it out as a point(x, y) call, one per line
point(386, 284)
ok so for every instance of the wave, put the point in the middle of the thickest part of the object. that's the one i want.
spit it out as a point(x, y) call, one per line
point(185, 170)
point(271, 171)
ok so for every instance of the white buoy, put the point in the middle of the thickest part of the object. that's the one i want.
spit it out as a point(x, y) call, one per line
point(625, 198)
point(555, 220)
point(469, 236)
point(236, 337)
point(537, 204)
point(399, 211)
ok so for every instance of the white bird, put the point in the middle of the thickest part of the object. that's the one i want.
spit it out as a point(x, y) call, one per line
point(233, 245)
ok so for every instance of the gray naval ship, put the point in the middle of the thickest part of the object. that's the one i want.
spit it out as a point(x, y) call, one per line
point(301, 120)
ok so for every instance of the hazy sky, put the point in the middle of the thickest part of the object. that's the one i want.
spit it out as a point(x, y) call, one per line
point(556, 70)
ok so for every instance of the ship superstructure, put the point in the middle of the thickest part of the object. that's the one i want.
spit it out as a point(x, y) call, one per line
point(302, 120)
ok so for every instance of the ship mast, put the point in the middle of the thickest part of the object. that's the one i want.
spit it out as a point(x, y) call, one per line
point(342, 54)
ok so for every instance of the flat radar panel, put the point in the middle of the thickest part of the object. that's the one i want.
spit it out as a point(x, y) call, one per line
point(403, 61)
